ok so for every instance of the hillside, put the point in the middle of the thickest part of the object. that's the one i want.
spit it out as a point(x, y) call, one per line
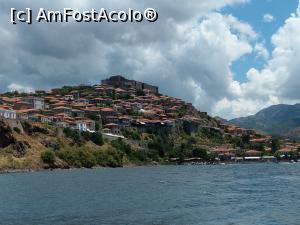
point(117, 123)
point(27, 145)
point(36, 146)
point(281, 120)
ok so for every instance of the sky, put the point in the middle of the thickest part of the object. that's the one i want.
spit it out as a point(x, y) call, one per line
point(230, 58)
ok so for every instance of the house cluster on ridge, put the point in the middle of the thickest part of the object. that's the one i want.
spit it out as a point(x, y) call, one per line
point(116, 103)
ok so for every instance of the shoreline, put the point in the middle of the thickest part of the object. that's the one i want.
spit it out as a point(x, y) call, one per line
point(12, 171)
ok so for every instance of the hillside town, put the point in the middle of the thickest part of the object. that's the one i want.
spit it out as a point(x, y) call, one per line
point(118, 104)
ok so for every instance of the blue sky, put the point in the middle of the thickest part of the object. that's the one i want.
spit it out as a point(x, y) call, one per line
point(253, 13)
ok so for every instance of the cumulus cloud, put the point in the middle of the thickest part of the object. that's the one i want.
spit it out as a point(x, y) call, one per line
point(19, 88)
point(188, 53)
point(278, 82)
point(269, 18)
point(261, 51)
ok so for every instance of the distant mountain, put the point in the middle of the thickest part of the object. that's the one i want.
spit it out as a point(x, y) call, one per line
point(281, 120)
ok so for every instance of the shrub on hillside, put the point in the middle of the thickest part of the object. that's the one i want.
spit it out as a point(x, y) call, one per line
point(17, 130)
point(120, 145)
point(78, 138)
point(48, 157)
point(130, 133)
point(110, 158)
point(78, 158)
point(74, 135)
point(162, 144)
point(200, 153)
point(97, 138)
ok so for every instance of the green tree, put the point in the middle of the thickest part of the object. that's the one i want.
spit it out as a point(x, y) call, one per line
point(48, 157)
point(16, 129)
point(200, 152)
point(74, 135)
point(182, 153)
point(120, 145)
point(110, 157)
point(275, 145)
point(131, 133)
point(97, 126)
point(97, 138)
point(78, 158)
point(246, 139)
point(86, 159)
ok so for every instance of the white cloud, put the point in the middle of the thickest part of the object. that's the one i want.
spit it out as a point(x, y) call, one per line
point(188, 53)
point(278, 82)
point(19, 88)
point(261, 51)
point(269, 18)
point(197, 65)
point(186, 57)
point(242, 27)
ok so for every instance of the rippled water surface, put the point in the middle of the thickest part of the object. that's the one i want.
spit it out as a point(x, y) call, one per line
point(262, 194)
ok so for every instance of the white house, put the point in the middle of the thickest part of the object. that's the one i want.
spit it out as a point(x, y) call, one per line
point(79, 125)
point(8, 113)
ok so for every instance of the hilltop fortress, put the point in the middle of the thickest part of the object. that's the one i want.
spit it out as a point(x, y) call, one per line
point(121, 82)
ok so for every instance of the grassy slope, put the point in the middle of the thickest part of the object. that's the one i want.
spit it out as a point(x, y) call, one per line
point(32, 158)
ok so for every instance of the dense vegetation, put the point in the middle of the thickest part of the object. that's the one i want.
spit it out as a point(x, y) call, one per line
point(160, 147)
point(79, 138)
point(88, 158)
point(153, 146)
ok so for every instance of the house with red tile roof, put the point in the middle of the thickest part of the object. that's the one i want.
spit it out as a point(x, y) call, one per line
point(113, 128)
point(62, 109)
point(26, 113)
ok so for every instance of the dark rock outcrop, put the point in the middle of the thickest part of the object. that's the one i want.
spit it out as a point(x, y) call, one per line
point(31, 129)
point(6, 136)
point(51, 144)
point(20, 148)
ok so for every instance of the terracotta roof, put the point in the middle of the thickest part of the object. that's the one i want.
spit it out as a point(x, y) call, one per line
point(107, 109)
point(27, 110)
point(110, 125)
point(253, 152)
point(119, 90)
point(286, 150)
point(61, 107)
point(92, 109)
